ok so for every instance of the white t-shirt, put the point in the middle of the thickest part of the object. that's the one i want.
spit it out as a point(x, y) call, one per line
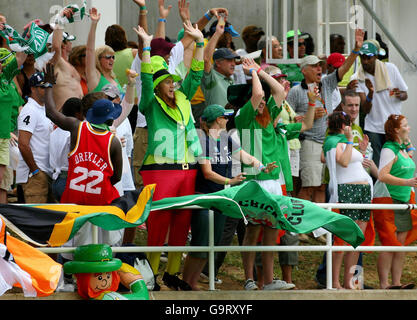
point(125, 130)
point(382, 104)
point(175, 58)
point(33, 119)
point(355, 172)
point(59, 147)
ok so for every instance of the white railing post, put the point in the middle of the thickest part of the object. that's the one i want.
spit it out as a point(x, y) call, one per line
point(211, 251)
point(329, 259)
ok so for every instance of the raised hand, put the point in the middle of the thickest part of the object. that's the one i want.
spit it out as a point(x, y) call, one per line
point(49, 74)
point(249, 63)
point(94, 15)
point(184, 10)
point(163, 12)
point(359, 35)
point(140, 3)
point(352, 85)
point(193, 31)
point(143, 35)
point(369, 85)
point(363, 144)
point(217, 11)
point(348, 133)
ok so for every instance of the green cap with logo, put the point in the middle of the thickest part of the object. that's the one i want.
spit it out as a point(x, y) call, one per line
point(371, 48)
point(212, 112)
point(92, 258)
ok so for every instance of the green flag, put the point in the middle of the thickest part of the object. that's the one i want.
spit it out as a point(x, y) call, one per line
point(291, 214)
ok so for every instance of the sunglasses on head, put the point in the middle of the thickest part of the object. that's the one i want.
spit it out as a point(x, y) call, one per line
point(108, 57)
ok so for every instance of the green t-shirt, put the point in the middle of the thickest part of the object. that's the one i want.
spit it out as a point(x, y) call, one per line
point(402, 168)
point(266, 144)
point(214, 86)
point(9, 98)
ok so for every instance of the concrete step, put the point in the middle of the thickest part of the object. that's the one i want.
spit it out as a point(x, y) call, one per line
point(251, 295)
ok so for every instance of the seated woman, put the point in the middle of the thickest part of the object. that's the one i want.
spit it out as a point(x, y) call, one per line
point(173, 146)
point(215, 172)
point(396, 170)
point(100, 61)
point(349, 183)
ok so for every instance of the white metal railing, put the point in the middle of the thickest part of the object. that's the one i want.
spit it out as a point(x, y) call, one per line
point(211, 249)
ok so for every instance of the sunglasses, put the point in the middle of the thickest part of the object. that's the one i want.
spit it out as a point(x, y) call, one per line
point(108, 57)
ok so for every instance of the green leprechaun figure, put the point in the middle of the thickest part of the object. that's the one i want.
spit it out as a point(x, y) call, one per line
point(98, 274)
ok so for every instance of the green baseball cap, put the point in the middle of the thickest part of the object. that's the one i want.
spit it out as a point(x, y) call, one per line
point(92, 258)
point(160, 71)
point(371, 48)
point(212, 112)
point(291, 34)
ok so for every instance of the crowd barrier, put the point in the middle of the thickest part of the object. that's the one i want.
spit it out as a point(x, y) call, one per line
point(211, 249)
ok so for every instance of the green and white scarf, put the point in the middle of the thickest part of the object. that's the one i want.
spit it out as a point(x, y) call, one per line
point(78, 15)
point(34, 43)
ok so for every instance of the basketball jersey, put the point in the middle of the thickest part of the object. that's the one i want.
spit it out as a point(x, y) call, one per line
point(90, 169)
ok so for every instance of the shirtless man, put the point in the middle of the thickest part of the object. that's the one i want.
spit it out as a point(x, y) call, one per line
point(68, 83)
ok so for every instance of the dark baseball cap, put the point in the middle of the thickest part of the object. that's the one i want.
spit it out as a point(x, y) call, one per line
point(38, 80)
point(224, 53)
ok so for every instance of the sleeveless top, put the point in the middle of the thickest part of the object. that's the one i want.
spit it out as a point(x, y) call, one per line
point(123, 61)
point(103, 81)
point(90, 169)
point(403, 168)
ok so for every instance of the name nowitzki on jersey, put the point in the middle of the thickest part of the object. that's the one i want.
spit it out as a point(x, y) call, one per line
point(90, 157)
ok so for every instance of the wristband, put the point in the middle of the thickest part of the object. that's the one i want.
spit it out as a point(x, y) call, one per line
point(227, 181)
point(143, 8)
point(208, 15)
point(356, 52)
point(146, 48)
point(259, 70)
point(199, 44)
point(162, 20)
point(33, 173)
point(349, 142)
point(368, 99)
point(410, 149)
point(261, 167)
point(311, 104)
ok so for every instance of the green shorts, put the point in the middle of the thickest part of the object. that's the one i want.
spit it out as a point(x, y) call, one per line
point(402, 218)
point(355, 193)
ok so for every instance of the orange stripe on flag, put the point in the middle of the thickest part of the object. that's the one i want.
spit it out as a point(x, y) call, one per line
point(44, 271)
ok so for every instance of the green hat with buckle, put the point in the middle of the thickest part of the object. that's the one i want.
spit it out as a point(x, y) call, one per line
point(93, 258)
point(6, 56)
point(160, 71)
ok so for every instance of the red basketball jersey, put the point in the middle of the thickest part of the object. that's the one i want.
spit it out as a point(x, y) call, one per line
point(90, 169)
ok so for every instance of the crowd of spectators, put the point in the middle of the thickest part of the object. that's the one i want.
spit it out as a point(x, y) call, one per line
point(99, 122)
